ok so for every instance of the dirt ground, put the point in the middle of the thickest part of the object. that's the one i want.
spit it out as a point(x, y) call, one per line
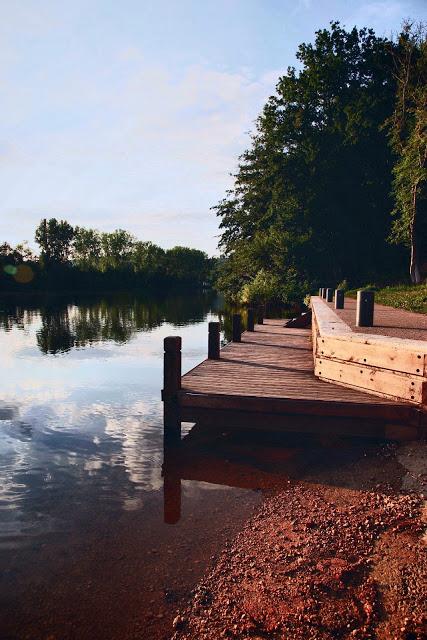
point(339, 553)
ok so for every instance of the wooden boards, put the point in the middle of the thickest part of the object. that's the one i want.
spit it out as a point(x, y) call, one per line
point(267, 381)
point(382, 365)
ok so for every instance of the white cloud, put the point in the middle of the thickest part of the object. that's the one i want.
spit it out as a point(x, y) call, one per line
point(147, 146)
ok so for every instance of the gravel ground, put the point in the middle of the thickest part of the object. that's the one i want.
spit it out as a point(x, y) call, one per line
point(338, 554)
point(388, 321)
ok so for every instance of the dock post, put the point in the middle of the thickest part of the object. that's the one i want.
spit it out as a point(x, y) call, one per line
point(213, 341)
point(339, 298)
point(171, 386)
point(251, 320)
point(323, 292)
point(260, 315)
point(329, 295)
point(237, 327)
point(171, 485)
point(365, 308)
point(320, 292)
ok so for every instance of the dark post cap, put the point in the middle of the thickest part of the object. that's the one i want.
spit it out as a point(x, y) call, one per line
point(172, 343)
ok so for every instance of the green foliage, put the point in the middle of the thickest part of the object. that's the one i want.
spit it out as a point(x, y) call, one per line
point(408, 136)
point(409, 297)
point(187, 265)
point(311, 197)
point(54, 238)
point(343, 285)
point(263, 288)
point(82, 257)
point(86, 248)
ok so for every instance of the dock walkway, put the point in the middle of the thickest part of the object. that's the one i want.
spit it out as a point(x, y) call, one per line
point(267, 381)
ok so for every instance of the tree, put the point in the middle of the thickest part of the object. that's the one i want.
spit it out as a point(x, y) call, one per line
point(117, 248)
point(87, 248)
point(187, 265)
point(54, 238)
point(311, 195)
point(148, 258)
point(408, 136)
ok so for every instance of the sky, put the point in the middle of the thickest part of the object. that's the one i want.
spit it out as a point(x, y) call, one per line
point(132, 114)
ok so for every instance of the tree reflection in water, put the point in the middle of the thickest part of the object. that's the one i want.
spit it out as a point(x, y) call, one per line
point(84, 321)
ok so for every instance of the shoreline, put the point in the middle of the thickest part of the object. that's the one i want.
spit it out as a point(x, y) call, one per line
point(339, 554)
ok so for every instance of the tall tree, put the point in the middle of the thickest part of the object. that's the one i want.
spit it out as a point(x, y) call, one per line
point(408, 134)
point(54, 238)
point(311, 197)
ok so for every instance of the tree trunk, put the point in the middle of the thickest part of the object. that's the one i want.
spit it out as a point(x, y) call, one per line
point(414, 266)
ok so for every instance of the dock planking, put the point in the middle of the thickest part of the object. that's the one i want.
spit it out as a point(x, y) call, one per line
point(267, 381)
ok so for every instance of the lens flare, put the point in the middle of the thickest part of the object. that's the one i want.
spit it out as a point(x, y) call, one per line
point(24, 274)
point(10, 269)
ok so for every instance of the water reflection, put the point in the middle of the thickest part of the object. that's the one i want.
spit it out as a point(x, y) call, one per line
point(83, 548)
point(260, 461)
point(81, 322)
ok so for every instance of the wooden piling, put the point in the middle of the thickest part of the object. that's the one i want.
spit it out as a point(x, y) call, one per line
point(260, 315)
point(171, 386)
point(237, 327)
point(320, 292)
point(339, 298)
point(323, 292)
point(214, 341)
point(251, 320)
point(329, 295)
point(365, 308)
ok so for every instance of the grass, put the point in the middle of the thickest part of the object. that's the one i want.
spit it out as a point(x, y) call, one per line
point(409, 297)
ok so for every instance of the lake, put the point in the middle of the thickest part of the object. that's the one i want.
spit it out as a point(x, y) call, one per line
point(84, 549)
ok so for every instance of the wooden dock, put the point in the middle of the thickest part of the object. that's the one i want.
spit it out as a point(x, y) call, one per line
point(267, 381)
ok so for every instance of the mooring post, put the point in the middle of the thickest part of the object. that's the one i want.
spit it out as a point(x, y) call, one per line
point(171, 386)
point(251, 320)
point(260, 315)
point(323, 292)
point(339, 298)
point(171, 483)
point(320, 291)
point(365, 308)
point(213, 341)
point(329, 295)
point(237, 327)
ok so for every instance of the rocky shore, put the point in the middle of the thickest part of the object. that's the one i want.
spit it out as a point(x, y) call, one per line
point(340, 553)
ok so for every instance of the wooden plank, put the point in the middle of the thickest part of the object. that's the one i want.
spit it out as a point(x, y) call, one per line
point(327, 320)
point(320, 425)
point(373, 353)
point(390, 383)
point(375, 409)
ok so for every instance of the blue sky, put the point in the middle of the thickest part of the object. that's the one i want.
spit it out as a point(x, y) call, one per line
point(132, 114)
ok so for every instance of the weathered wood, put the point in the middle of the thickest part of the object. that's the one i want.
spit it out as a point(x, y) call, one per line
point(171, 387)
point(320, 292)
point(389, 383)
point(260, 315)
point(236, 327)
point(323, 292)
point(365, 308)
point(329, 296)
point(376, 409)
point(251, 319)
point(339, 298)
point(328, 322)
point(367, 427)
point(214, 340)
point(384, 355)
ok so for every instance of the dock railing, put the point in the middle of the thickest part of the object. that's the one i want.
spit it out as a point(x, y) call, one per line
point(385, 366)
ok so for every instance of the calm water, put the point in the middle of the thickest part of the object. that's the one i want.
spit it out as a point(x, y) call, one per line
point(84, 548)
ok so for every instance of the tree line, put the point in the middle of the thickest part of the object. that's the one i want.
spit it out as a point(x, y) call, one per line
point(80, 257)
point(333, 186)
